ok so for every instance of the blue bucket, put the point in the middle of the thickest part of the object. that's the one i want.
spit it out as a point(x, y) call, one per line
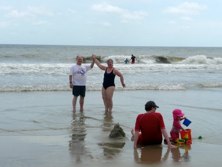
point(186, 122)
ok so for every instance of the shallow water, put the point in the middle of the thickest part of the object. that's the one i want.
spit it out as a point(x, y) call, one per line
point(39, 129)
point(40, 113)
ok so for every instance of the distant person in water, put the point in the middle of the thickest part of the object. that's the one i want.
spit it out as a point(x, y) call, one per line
point(133, 59)
point(108, 82)
point(126, 61)
point(77, 81)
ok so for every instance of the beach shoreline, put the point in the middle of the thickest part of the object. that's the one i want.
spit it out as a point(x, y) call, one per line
point(39, 129)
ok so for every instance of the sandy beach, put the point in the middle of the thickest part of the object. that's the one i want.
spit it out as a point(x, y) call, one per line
point(38, 129)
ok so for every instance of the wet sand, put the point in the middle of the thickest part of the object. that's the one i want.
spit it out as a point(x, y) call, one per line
point(38, 129)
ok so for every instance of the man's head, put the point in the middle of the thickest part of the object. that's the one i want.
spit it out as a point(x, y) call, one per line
point(150, 105)
point(79, 59)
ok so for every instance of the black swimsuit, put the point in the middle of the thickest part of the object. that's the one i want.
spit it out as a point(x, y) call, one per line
point(108, 79)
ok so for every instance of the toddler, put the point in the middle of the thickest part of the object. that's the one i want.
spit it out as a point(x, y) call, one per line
point(178, 115)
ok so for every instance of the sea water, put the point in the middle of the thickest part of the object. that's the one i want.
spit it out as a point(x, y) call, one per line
point(36, 113)
point(46, 68)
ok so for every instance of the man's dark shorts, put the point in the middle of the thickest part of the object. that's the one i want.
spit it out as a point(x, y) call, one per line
point(79, 91)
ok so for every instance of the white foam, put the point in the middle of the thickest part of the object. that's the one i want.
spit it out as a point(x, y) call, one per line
point(202, 59)
point(139, 76)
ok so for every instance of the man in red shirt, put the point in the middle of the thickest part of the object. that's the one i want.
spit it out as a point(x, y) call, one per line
point(150, 127)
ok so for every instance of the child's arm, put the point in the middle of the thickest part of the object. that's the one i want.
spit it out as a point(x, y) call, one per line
point(177, 125)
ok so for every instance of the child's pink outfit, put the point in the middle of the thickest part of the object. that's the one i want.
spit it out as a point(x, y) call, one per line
point(177, 115)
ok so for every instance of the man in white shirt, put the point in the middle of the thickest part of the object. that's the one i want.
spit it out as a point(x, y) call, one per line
point(77, 81)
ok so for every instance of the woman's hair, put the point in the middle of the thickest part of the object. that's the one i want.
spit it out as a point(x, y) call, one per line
point(109, 60)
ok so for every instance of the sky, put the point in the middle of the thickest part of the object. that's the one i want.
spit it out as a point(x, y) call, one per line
point(112, 22)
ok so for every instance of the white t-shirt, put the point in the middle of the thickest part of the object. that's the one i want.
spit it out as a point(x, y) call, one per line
point(79, 74)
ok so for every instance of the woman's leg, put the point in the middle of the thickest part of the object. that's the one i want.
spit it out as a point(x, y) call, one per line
point(109, 97)
point(104, 99)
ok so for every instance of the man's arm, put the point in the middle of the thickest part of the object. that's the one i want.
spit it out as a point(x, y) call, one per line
point(136, 137)
point(92, 64)
point(167, 138)
point(70, 81)
point(102, 67)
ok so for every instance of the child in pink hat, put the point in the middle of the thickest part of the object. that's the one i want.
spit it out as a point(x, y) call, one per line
point(178, 115)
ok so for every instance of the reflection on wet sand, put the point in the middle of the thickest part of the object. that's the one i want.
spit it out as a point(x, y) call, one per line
point(107, 121)
point(77, 143)
point(177, 156)
point(110, 147)
point(150, 154)
point(153, 154)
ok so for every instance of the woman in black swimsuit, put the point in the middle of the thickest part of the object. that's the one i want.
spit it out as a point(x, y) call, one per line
point(109, 82)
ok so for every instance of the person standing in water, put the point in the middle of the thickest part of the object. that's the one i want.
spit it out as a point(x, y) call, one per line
point(77, 81)
point(109, 82)
point(133, 58)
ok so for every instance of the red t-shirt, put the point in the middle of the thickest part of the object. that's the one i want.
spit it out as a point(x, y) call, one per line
point(150, 125)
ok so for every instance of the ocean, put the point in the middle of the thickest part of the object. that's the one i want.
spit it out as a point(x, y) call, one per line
point(38, 127)
point(46, 67)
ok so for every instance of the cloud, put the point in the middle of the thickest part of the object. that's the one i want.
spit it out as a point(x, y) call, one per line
point(125, 14)
point(186, 8)
point(30, 11)
point(36, 15)
point(107, 8)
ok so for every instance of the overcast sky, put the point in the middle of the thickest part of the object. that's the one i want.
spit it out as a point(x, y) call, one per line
point(111, 22)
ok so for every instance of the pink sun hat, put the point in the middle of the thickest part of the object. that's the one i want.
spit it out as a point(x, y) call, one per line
point(178, 113)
